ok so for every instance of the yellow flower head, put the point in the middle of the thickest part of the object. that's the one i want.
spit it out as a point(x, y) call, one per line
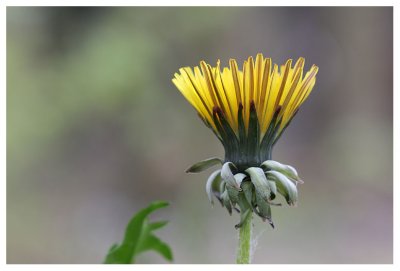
point(247, 109)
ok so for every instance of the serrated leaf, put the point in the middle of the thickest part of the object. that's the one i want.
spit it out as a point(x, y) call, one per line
point(285, 186)
point(203, 165)
point(139, 238)
point(209, 185)
point(112, 248)
point(157, 225)
point(154, 243)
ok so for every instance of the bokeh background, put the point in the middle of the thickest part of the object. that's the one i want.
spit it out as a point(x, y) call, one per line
point(96, 131)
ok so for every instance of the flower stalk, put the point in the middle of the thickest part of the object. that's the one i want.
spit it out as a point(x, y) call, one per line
point(244, 245)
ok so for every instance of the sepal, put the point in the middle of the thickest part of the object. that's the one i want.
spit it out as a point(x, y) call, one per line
point(227, 175)
point(203, 165)
point(233, 194)
point(226, 202)
point(287, 170)
point(264, 209)
point(260, 182)
point(239, 177)
point(248, 190)
point(285, 186)
point(209, 185)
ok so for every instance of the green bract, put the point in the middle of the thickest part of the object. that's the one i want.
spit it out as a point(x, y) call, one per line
point(203, 165)
point(287, 170)
point(253, 189)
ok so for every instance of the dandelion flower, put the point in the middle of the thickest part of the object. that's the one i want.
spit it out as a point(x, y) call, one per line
point(248, 110)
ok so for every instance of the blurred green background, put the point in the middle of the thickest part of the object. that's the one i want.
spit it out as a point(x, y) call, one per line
point(96, 130)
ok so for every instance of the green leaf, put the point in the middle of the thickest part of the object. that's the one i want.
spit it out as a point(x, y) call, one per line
point(157, 225)
point(153, 243)
point(139, 238)
point(203, 165)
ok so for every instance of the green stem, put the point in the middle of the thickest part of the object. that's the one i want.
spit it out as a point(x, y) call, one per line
point(244, 246)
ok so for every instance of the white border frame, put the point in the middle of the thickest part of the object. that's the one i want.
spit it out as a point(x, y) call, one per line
point(396, 130)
